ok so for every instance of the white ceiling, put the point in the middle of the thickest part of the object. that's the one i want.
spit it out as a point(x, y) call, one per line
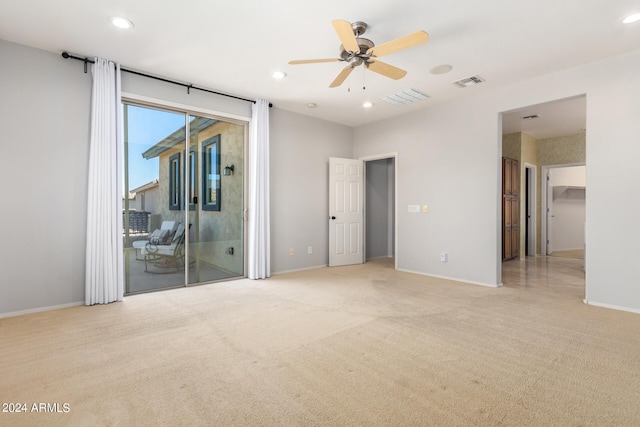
point(235, 46)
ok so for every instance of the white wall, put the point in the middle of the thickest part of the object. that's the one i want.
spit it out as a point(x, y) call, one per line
point(299, 155)
point(453, 166)
point(44, 122)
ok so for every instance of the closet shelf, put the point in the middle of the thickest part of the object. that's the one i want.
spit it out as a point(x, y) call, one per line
point(565, 192)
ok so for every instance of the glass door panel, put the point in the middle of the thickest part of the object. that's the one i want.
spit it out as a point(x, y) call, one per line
point(215, 247)
point(153, 198)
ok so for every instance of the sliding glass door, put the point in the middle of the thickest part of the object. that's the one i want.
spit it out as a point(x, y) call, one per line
point(183, 202)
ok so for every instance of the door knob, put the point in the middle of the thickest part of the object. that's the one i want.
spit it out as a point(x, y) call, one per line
point(333, 217)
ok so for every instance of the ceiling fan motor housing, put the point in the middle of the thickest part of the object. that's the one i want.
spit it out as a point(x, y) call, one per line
point(364, 44)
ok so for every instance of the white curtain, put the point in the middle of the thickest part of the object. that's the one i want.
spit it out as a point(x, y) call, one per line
point(104, 259)
point(259, 234)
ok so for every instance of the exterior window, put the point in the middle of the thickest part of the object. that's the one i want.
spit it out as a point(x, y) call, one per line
point(174, 182)
point(211, 174)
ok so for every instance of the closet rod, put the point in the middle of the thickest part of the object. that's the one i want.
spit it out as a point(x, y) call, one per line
point(86, 61)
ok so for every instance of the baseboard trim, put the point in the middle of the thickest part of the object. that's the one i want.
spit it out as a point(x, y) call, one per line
point(612, 306)
point(298, 269)
point(453, 279)
point(40, 309)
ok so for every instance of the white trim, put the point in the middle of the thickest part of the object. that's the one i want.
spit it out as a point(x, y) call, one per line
point(299, 269)
point(611, 306)
point(453, 279)
point(40, 309)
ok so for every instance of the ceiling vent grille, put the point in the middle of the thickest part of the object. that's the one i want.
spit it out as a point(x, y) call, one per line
point(469, 81)
point(407, 96)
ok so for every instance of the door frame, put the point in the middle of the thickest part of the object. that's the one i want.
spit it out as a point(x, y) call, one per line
point(384, 156)
point(172, 106)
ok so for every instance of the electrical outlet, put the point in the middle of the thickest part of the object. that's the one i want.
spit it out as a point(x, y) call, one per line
point(291, 252)
point(444, 257)
point(309, 250)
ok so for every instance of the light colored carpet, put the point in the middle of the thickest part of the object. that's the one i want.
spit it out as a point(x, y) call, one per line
point(360, 345)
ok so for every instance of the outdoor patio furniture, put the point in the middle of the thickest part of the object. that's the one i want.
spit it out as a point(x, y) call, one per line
point(164, 256)
point(162, 235)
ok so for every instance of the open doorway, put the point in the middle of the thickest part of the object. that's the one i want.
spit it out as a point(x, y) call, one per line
point(564, 205)
point(380, 212)
point(540, 138)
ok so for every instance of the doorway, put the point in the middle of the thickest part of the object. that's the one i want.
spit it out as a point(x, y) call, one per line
point(543, 136)
point(381, 187)
point(564, 205)
point(380, 208)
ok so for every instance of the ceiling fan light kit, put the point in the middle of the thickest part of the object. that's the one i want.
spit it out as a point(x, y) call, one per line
point(356, 51)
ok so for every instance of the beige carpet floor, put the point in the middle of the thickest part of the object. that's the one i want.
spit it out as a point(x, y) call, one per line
point(350, 346)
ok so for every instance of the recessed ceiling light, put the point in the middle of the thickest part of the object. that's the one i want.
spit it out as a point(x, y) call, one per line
point(312, 105)
point(121, 22)
point(631, 18)
point(441, 69)
point(279, 75)
point(367, 104)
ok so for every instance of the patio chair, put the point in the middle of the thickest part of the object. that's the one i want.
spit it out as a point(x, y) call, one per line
point(165, 256)
point(162, 235)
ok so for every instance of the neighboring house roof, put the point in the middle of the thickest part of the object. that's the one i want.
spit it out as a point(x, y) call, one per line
point(175, 138)
point(146, 186)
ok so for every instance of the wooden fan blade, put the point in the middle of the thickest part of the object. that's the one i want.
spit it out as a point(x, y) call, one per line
point(386, 70)
point(314, 61)
point(398, 44)
point(345, 33)
point(342, 76)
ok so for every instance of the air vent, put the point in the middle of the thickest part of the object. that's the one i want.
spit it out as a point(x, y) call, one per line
point(531, 117)
point(469, 81)
point(407, 96)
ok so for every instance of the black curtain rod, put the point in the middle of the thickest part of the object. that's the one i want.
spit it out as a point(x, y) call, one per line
point(86, 61)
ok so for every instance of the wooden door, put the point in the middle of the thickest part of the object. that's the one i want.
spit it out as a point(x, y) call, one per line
point(510, 209)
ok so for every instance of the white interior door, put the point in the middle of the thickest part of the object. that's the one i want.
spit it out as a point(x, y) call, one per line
point(346, 212)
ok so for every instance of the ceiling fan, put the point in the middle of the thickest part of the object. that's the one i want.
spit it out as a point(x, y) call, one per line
point(356, 50)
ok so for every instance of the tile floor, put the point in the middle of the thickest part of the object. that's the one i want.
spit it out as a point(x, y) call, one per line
point(546, 275)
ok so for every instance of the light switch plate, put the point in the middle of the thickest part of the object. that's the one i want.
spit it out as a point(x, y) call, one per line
point(414, 208)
